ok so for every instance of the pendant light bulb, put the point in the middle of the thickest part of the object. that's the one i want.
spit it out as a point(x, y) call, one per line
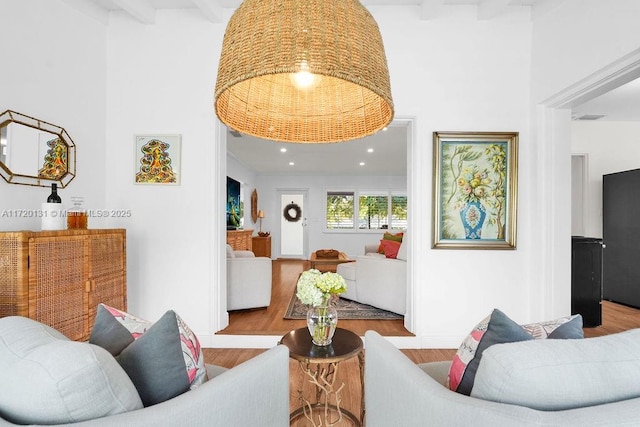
point(304, 79)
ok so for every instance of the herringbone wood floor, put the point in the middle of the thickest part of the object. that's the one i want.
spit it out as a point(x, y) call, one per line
point(615, 318)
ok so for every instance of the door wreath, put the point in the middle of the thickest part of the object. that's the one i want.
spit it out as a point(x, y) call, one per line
point(297, 212)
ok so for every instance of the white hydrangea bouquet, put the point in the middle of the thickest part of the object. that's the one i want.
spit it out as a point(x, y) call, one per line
point(316, 289)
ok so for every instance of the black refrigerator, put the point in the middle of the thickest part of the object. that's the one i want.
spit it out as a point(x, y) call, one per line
point(586, 279)
point(621, 234)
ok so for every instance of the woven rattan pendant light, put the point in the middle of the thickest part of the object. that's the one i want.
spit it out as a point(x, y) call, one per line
point(308, 71)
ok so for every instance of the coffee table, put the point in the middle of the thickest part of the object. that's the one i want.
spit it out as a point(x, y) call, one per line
point(320, 366)
point(328, 264)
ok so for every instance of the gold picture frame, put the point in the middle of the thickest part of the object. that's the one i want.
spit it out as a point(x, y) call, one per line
point(475, 190)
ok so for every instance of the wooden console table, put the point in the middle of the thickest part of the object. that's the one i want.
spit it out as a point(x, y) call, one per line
point(240, 240)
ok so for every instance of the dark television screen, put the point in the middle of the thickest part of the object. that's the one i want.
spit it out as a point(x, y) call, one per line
point(233, 204)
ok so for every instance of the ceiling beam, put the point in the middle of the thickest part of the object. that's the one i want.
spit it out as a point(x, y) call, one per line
point(142, 10)
point(211, 9)
point(90, 9)
point(542, 7)
point(489, 9)
point(430, 9)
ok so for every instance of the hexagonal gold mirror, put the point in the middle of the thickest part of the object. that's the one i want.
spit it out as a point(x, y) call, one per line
point(34, 152)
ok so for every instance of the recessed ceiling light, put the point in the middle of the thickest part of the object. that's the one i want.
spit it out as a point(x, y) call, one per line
point(370, 150)
point(361, 163)
point(283, 150)
point(291, 163)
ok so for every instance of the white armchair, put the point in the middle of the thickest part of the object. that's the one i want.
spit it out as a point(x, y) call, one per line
point(248, 280)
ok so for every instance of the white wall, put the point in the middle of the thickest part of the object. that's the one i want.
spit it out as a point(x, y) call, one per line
point(54, 69)
point(454, 73)
point(160, 79)
point(611, 147)
point(457, 73)
point(351, 243)
point(577, 38)
point(450, 73)
point(572, 42)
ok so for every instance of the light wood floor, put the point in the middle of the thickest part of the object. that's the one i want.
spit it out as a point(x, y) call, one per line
point(270, 321)
point(615, 318)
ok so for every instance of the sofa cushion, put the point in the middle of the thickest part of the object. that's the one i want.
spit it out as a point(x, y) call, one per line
point(163, 359)
point(554, 375)
point(48, 379)
point(390, 248)
point(347, 270)
point(498, 328)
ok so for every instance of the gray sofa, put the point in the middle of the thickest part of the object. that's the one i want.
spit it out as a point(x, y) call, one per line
point(599, 378)
point(253, 393)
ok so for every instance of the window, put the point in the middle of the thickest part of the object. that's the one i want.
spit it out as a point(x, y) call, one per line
point(373, 211)
point(399, 211)
point(380, 210)
point(339, 210)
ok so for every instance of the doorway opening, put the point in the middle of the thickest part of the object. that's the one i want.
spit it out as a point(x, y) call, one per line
point(221, 318)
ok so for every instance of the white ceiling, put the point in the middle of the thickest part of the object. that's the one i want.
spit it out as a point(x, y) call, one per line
point(621, 104)
point(145, 10)
point(389, 155)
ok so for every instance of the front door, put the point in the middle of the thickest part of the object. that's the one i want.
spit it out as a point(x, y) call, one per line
point(293, 224)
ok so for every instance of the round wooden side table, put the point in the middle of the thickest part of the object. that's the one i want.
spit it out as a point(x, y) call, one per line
point(320, 366)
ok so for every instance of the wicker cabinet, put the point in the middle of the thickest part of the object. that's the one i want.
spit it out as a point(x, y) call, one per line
point(59, 277)
point(240, 240)
point(261, 246)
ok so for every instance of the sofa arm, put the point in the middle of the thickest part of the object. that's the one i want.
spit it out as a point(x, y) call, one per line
point(248, 282)
point(254, 393)
point(399, 393)
point(382, 282)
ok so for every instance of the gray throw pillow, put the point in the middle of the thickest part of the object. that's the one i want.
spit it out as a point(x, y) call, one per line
point(163, 359)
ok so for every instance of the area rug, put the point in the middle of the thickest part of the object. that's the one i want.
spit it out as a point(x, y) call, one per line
point(347, 309)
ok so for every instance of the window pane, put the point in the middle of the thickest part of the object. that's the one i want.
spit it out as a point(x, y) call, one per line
point(373, 212)
point(399, 212)
point(340, 210)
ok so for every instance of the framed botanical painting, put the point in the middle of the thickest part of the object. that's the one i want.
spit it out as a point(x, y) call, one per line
point(157, 159)
point(475, 190)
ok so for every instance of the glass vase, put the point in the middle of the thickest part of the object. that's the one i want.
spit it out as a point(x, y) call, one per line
point(322, 321)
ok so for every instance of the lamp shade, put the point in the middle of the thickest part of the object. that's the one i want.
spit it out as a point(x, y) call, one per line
point(260, 213)
point(303, 71)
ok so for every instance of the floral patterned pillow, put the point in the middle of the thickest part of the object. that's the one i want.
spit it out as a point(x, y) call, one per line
point(163, 359)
